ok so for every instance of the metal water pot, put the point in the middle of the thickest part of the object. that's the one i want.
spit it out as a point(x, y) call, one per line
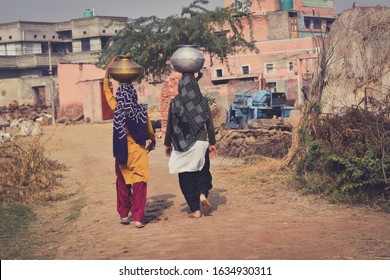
point(125, 70)
point(187, 59)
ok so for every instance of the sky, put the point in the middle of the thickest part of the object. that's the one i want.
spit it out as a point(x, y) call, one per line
point(64, 10)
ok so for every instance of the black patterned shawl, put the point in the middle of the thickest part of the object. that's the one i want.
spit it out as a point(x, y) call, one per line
point(189, 113)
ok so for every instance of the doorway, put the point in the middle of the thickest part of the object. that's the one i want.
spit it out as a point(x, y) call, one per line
point(107, 113)
point(39, 95)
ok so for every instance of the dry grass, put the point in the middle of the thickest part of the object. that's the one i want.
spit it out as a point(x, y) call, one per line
point(28, 177)
point(258, 177)
point(26, 174)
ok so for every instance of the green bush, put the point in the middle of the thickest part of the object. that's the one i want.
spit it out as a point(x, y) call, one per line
point(347, 169)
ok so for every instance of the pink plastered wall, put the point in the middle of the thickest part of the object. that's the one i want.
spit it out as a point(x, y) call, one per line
point(80, 92)
point(72, 88)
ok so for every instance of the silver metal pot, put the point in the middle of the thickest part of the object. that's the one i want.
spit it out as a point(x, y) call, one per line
point(187, 59)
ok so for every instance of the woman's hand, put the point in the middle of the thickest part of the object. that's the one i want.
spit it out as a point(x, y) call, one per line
point(213, 151)
point(168, 151)
point(151, 146)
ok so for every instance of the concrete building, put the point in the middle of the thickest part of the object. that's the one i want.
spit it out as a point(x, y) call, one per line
point(30, 53)
point(287, 34)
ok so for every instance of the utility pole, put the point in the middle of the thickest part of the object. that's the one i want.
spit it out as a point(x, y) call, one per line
point(53, 108)
point(300, 99)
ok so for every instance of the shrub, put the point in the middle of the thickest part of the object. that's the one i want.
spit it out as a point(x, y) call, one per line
point(26, 174)
point(347, 161)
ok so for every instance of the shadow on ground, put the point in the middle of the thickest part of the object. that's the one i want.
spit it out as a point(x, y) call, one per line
point(156, 206)
point(215, 198)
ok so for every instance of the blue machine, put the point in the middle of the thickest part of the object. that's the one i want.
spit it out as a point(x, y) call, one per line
point(257, 104)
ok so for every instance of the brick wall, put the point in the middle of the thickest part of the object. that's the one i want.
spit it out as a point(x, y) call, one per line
point(278, 24)
point(168, 91)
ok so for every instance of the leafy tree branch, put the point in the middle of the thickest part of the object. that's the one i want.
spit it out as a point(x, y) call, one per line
point(151, 41)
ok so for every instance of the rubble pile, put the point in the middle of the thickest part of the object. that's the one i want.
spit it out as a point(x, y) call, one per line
point(273, 143)
point(22, 120)
point(26, 112)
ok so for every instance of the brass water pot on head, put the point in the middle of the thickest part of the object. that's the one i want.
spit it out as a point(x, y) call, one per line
point(125, 70)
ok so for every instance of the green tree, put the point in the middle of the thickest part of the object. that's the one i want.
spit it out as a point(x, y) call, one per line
point(151, 41)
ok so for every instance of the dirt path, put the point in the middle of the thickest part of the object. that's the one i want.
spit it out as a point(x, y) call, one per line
point(264, 219)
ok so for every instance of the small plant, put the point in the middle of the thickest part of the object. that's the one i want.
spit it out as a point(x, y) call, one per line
point(311, 155)
point(210, 99)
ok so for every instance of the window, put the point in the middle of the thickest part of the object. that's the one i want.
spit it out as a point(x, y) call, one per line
point(307, 22)
point(105, 42)
point(290, 66)
point(271, 86)
point(329, 23)
point(45, 48)
point(218, 73)
point(245, 69)
point(269, 68)
point(316, 23)
point(85, 45)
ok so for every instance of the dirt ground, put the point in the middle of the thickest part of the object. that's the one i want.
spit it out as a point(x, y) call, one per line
point(256, 213)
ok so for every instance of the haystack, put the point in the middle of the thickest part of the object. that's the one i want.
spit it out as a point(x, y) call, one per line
point(356, 59)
